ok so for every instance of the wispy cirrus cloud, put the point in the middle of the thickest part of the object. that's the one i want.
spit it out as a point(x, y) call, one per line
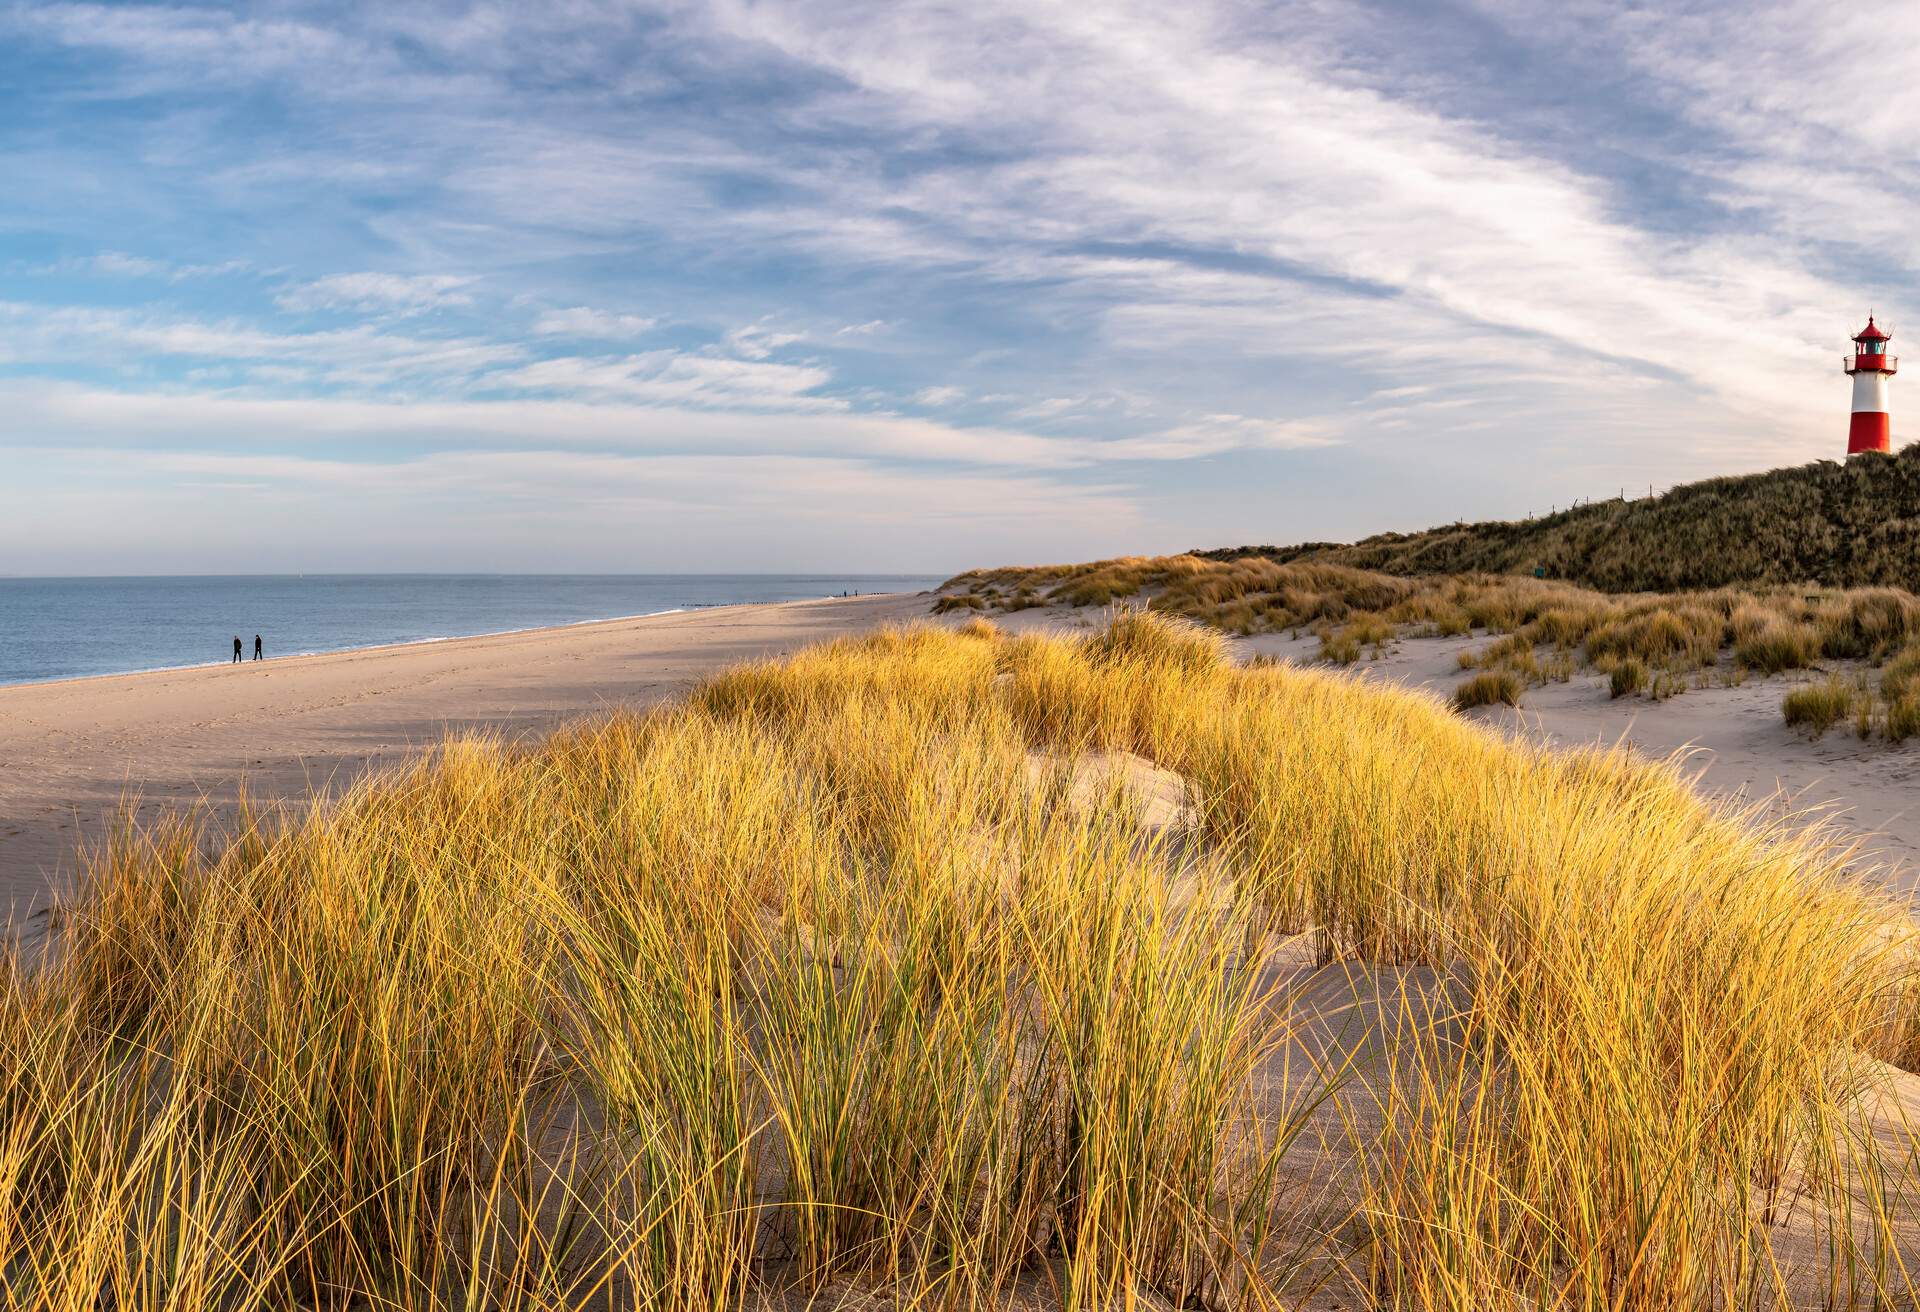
point(119, 264)
point(677, 419)
point(677, 377)
point(757, 341)
point(394, 292)
point(363, 356)
point(580, 321)
point(1327, 268)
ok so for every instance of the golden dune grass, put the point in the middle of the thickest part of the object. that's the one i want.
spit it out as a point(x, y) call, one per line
point(1548, 629)
point(865, 971)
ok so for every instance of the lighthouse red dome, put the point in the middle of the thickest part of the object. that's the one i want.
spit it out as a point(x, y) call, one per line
point(1871, 333)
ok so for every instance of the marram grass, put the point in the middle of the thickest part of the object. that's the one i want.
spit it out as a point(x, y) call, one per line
point(1547, 630)
point(873, 973)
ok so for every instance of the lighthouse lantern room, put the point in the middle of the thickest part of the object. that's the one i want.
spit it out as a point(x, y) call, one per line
point(1870, 366)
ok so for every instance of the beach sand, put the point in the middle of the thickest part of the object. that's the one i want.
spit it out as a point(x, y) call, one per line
point(70, 752)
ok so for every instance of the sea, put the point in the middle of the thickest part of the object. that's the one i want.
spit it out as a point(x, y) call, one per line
point(65, 628)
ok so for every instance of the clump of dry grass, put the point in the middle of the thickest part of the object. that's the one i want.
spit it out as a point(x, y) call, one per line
point(1683, 636)
point(1240, 597)
point(1900, 676)
point(1773, 646)
point(687, 1007)
point(1628, 677)
point(1494, 687)
point(871, 969)
point(1894, 711)
point(1819, 706)
point(1343, 644)
point(1868, 623)
point(1157, 643)
point(1903, 717)
point(1353, 610)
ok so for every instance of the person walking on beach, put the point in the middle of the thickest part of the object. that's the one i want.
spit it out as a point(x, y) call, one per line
point(256, 646)
point(236, 647)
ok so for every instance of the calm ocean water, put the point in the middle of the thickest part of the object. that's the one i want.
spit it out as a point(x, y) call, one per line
point(64, 628)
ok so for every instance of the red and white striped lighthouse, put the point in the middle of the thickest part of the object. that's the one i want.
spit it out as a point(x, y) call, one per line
point(1870, 367)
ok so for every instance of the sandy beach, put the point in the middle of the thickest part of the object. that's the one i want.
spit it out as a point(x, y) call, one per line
point(71, 752)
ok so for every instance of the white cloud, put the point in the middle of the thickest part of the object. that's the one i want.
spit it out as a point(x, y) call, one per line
point(646, 397)
point(640, 405)
point(1802, 102)
point(361, 356)
point(394, 292)
point(1214, 434)
point(669, 376)
point(1173, 125)
point(120, 264)
point(939, 396)
point(1051, 407)
point(580, 321)
point(757, 341)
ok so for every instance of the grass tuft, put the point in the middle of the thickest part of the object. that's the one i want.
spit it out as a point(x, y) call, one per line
point(1502, 687)
point(1775, 646)
point(1628, 677)
point(1819, 706)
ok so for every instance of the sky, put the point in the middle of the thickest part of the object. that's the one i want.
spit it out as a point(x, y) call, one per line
point(792, 286)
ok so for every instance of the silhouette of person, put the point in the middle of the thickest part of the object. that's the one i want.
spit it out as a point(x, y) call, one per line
point(256, 646)
point(236, 646)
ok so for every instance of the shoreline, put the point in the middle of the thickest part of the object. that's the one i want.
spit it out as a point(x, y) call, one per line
point(77, 752)
point(343, 651)
point(694, 609)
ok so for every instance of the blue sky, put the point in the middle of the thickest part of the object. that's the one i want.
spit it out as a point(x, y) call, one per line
point(821, 286)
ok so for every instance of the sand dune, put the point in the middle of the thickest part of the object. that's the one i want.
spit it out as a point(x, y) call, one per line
point(1735, 739)
point(71, 751)
point(1181, 747)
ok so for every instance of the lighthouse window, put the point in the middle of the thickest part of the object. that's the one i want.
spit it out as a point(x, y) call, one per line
point(1871, 348)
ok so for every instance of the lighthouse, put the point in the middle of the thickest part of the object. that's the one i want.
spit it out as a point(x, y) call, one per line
point(1870, 366)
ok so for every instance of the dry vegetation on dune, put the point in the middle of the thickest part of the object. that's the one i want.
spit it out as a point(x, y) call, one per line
point(1242, 596)
point(1652, 643)
point(875, 971)
point(1841, 525)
